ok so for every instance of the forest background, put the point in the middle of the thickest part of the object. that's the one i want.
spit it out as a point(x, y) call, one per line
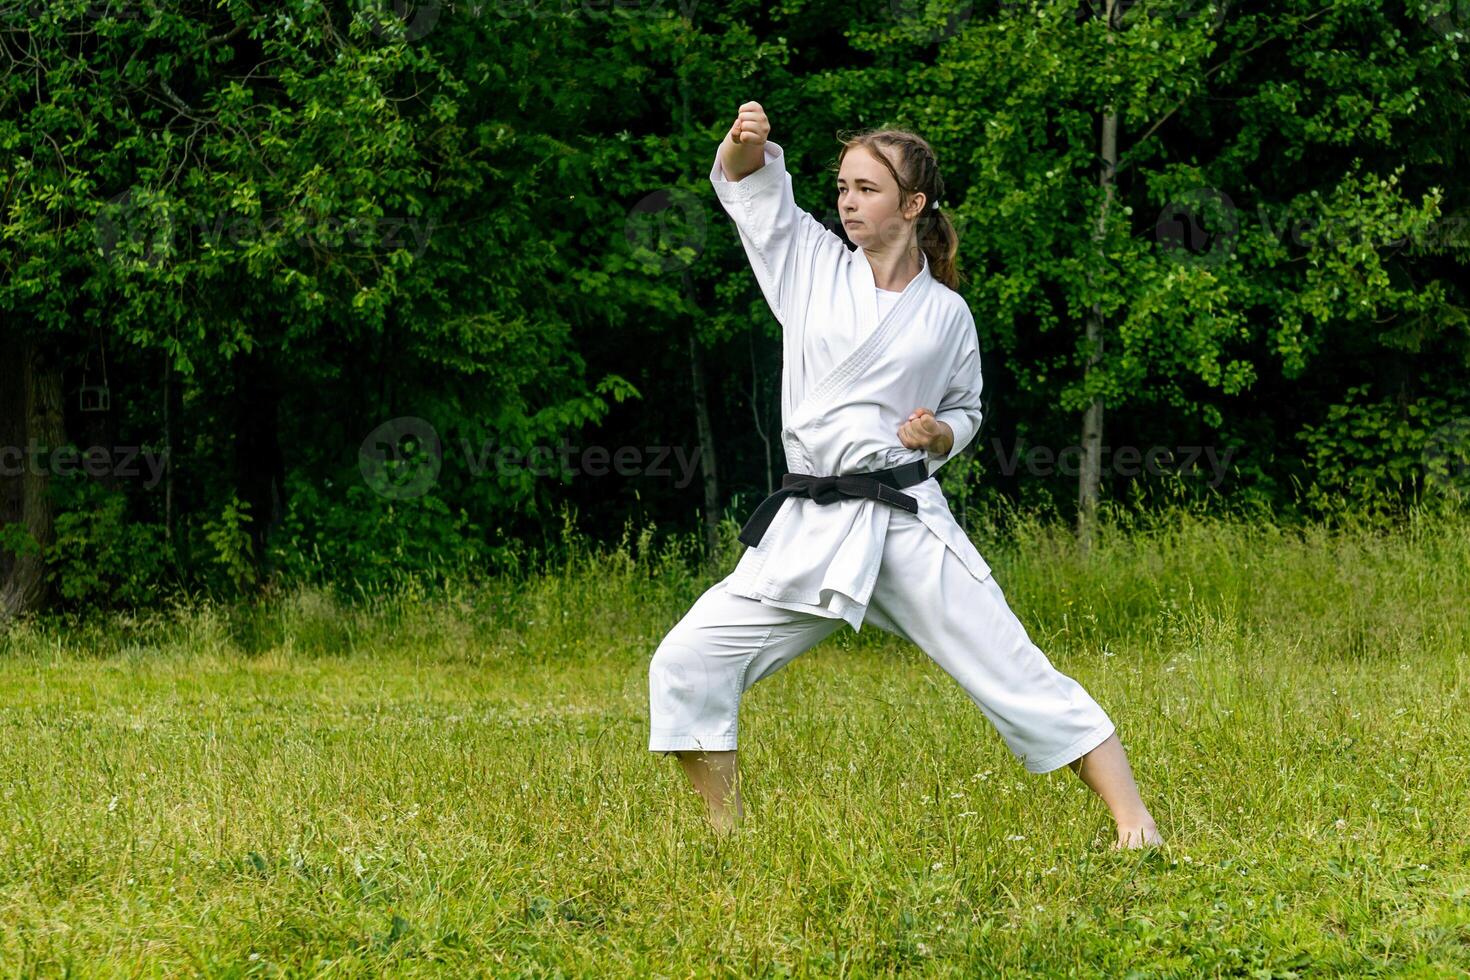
point(347, 293)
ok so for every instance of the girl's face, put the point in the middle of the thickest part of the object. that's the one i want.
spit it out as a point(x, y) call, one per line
point(867, 202)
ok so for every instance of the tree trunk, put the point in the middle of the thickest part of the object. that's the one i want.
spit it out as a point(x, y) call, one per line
point(706, 453)
point(26, 371)
point(696, 372)
point(168, 451)
point(755, 407)
point(260, 477)
point(12, 441)
point(1090, 475)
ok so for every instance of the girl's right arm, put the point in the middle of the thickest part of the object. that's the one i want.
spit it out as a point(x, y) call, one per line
point(788, 248)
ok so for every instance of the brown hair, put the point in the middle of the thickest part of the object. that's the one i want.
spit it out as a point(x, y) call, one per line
point(917, 172)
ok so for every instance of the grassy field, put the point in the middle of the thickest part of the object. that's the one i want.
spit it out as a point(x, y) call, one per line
point(460, 783)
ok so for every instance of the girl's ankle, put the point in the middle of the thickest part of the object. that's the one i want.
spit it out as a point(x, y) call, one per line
point(1138, 818)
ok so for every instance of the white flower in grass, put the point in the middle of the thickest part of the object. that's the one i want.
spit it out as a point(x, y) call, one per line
point(1341, 824)
point(1015, 837)
point(936, 865)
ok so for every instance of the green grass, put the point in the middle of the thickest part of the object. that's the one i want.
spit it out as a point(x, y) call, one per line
point(459, 782)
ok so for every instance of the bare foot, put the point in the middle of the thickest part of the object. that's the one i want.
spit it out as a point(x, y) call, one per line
point(1137, 834)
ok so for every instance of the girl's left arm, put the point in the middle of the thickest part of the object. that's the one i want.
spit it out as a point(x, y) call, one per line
point(960, 407)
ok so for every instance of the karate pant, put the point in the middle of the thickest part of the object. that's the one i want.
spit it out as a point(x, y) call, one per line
point(924, 594)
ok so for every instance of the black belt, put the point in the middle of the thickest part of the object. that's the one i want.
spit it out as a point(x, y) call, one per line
point(882, 485)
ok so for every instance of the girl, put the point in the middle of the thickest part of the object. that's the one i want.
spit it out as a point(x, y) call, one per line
point(859, 532)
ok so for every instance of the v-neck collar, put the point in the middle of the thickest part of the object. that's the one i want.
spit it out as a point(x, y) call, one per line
point(867, 289)
point(876, 333)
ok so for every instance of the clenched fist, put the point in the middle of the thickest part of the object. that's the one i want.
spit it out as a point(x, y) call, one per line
point(751, 126)
point(924, 431)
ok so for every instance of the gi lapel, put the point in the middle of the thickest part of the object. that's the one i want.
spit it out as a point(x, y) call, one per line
point(877, 337)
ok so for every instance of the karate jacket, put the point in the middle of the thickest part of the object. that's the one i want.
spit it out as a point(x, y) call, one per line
point(848, 383)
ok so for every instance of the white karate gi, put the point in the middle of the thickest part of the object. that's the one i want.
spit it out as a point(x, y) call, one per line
point(849, 380)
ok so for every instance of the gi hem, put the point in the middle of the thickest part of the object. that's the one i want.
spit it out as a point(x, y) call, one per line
point(841, 606)
point(1080, 746)
point(686, 743)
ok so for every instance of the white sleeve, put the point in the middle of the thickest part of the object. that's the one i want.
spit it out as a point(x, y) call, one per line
point(960, 407)
point(780, 238)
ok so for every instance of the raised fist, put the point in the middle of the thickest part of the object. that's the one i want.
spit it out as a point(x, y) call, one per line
point(751, 125)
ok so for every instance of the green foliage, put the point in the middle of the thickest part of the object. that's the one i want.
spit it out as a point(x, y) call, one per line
point(15, 539)
point(498, 215)
point(232, 552)
point(1373, 456)
point(345, 533)
point(99, 556)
